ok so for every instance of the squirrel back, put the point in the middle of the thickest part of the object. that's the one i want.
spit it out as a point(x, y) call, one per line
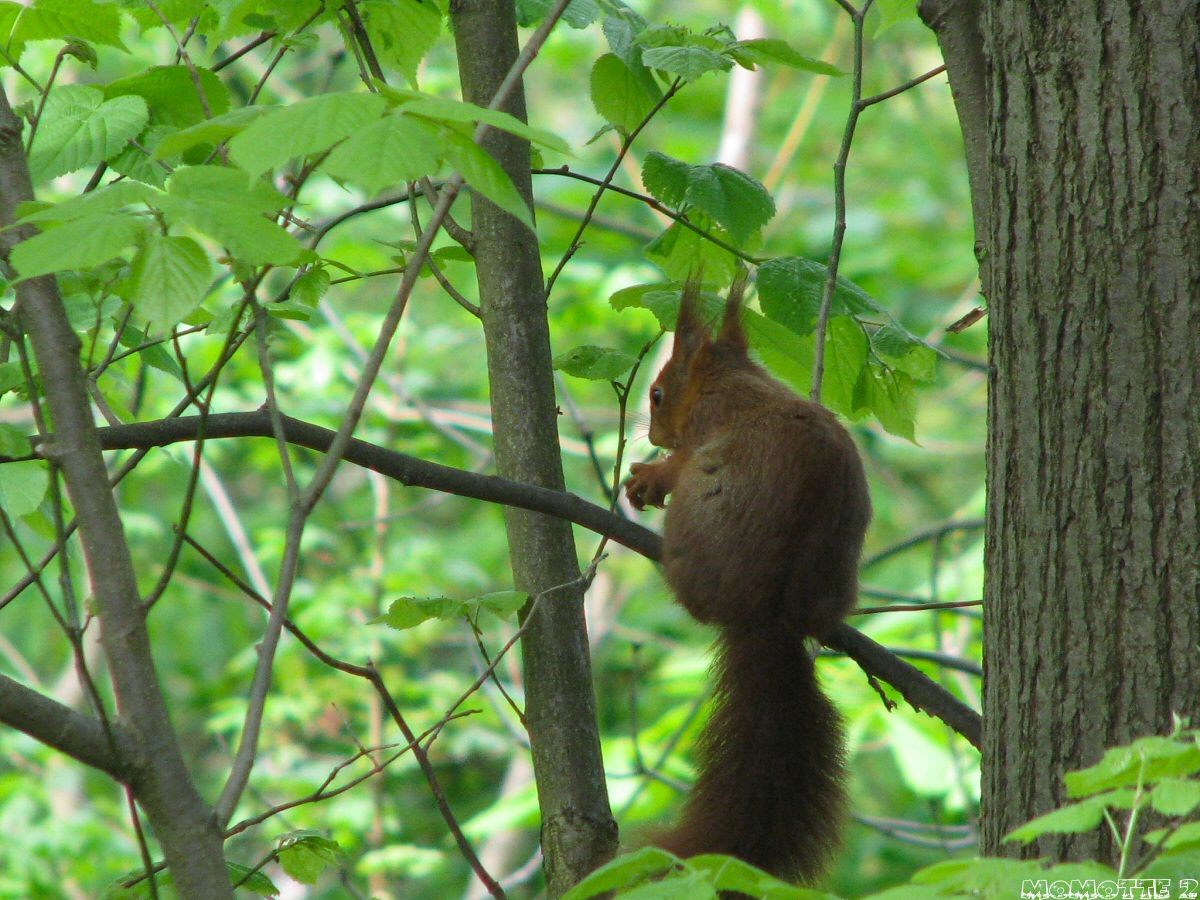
point(762, 538)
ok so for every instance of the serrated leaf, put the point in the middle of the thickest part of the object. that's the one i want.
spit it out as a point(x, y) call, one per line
point(578, 14)
point(790, 289)
point(727, 873)
point(689, 63)
point(307, 127)
point(213, 131)
point(595, 363)
point(440, 110)
point(78, 244)
point(65, 19)
point(1144, 761)
point(402, 32)
point(889, 396)
point(79, 128)
point(394, 150)
point(23, 486)
point(310, 287)
point(769, 50)
point(215, 184)
point(169, 278)
point(226, 205)
point(484, 175)
point(739, 203)
point(623, 96)
point(409, 612)
point(904, 352)
point(171, 95)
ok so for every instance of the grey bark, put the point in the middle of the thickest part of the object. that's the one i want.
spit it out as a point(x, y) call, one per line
point(578, 830)
point(182, 821)
point(1092, 610)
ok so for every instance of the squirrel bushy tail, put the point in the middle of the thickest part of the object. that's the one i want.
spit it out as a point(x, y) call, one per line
point(771, 761)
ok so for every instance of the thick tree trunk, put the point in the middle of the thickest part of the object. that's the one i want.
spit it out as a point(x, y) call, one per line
point(1093, 581)
point(578, 830)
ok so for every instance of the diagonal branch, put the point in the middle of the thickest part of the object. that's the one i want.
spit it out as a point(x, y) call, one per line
point(65, 730)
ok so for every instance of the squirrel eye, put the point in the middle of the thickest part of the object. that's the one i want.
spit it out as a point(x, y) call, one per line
point(656, 396)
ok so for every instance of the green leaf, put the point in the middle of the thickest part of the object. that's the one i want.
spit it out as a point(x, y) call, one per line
point(23, 486)
point(394, 150)
point(247, 879)
point(578, 14)
point(484, 175)
point(169, 279)
point(679, 251)
point(890, 396)
point(502, 604)
point(310, 126)
point(13, 440)
point(904, 351)
point(595, 363)
point(153, 355)
point(409, 612)
point(171, 95)
point(109, 198)
point(305, 854)
point(402, 32)
point(227, 205)
point(892, 12)
point(790, 289)
point(689, 63)
point(846, 350)
point(767, 50)
point(213, 131)
point(1073, 818)
point(726, 873)
point(11, 378)
point(1175, 797)
point(1144, 761)
point(453, 111)
point(739, 203)
point(79, 244)
point(624, 871)
point(61, 20)
point(623, 96)
point(310, 287)
point(79, 128)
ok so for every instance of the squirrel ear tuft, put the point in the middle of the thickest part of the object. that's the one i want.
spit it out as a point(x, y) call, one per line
point(732, 333)
point(690, 329)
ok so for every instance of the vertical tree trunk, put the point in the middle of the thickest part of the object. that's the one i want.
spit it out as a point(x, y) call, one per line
point(1093, 580)
point(578, 830)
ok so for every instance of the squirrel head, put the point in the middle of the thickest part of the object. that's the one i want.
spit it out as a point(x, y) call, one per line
point(698, 362)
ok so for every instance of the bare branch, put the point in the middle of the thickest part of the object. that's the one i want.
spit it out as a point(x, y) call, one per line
point(65, 730)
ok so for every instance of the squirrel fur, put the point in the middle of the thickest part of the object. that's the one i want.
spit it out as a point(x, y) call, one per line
point(762, 539)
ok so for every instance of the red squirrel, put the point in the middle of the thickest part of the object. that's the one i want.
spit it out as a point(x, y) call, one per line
point(762, 539)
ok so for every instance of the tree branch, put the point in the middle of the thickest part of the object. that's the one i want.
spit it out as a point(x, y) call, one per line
point(916, 688)
point(65, 730)
point(956, 25)
point(161, 783)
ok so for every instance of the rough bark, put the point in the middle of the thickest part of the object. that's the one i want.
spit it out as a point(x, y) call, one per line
point(578, 831)
point(1093, 588)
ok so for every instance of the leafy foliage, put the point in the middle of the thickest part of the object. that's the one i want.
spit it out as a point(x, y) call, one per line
point(228, 221)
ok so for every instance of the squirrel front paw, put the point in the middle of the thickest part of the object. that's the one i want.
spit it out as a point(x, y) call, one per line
point(645, 487)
